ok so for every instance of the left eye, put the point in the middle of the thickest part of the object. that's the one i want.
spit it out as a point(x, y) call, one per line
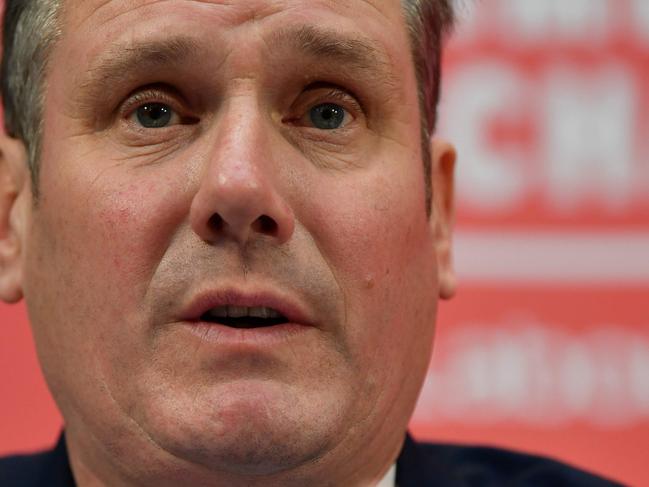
point(327, 116)
point(154, 115)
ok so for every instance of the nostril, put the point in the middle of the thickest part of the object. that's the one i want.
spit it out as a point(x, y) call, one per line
point(266, 225)
point(215, 222)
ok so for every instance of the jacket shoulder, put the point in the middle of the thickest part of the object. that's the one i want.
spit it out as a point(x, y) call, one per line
point(495, 466)
point(43, 469)
point(22, 470)
point(472, 466)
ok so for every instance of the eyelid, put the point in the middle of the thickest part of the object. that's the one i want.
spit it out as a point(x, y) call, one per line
point(316, 94)
point(149, 95)
point(347, 100)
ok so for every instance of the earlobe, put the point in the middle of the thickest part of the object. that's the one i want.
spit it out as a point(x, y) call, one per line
point(14, 186)
point(443, 158)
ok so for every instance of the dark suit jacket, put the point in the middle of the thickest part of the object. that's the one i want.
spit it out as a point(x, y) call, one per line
point(419, 465)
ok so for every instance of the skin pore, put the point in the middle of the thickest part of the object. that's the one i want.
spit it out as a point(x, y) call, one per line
point(184, 156)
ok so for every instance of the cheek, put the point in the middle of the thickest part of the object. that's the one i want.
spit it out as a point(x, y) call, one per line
point(380, 248)
point(107, 219)
point(89, 264)
point(92, 261)
point(134, 226)
point(120, 231)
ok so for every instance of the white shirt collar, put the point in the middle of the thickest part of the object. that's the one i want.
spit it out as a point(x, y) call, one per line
point(390, 478)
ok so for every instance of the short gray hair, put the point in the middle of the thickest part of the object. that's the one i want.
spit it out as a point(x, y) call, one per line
point(428, 21)
point(31, 27)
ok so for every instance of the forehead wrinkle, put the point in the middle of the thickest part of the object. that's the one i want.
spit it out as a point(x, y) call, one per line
point(250, 13)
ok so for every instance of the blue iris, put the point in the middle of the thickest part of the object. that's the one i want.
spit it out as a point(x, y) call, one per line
point(327, 116)
point(154, 115)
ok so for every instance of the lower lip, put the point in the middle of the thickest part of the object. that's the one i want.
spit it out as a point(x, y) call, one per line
point(257, 337)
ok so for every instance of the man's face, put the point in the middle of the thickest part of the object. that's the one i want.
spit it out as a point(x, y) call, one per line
point(205, 154)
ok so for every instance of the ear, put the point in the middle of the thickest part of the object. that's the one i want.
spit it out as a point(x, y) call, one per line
point(443, 157)
point(15, 191)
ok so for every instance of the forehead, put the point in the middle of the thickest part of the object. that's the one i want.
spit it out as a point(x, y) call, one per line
point(96, 29)
point(244, 33)
point(380, 18)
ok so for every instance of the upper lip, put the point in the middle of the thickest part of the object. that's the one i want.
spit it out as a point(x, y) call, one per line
point(284, 304)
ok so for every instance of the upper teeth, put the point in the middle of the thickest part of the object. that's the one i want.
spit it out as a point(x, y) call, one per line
point(241, 311)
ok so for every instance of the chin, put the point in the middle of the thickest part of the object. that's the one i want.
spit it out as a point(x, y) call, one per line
point(256, 429)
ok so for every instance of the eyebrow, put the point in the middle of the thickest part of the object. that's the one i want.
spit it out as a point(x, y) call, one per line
point(353, 51)
point(149, 55)
point(361, 55)
point(318, 42)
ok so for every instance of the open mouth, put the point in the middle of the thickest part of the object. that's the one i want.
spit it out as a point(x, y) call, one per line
point(243, 316)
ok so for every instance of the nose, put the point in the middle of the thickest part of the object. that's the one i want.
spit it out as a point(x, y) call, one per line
point(238, 196)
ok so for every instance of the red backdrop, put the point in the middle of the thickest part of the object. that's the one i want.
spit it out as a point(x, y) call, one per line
point(546, 347)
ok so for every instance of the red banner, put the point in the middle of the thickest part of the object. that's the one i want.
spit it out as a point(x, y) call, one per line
point(546, 347)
